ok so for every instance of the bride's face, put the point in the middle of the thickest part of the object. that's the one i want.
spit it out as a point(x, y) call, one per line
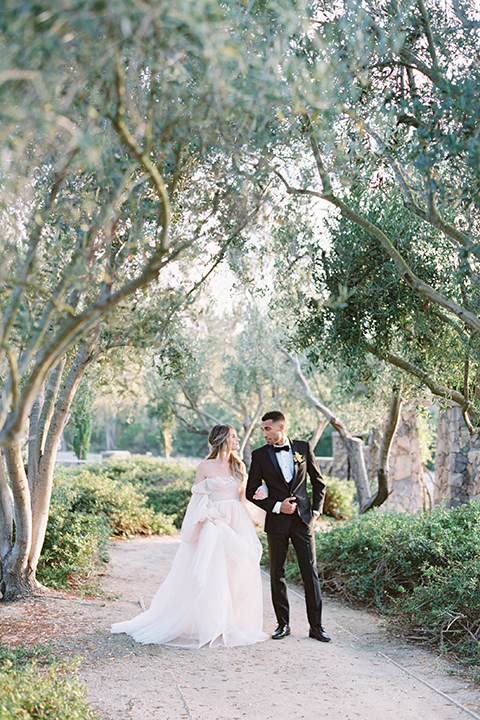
point(232, 440)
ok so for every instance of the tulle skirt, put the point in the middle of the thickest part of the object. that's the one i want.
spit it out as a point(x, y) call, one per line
point(212, 594)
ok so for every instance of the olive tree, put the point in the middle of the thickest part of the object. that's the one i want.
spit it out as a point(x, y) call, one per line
point(388, 138)
point(123, 135)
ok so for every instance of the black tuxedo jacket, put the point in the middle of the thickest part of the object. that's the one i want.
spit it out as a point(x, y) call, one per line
point(265, 468)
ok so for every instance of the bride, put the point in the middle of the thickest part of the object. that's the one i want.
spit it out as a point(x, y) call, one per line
point(212, 594)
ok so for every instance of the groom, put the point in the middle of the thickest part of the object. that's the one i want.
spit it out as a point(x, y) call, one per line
point(283, 465)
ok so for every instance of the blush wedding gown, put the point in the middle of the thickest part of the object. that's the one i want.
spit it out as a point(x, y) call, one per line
point(212, 594)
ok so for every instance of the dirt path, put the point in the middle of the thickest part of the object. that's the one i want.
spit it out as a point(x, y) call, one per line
point(356, 677)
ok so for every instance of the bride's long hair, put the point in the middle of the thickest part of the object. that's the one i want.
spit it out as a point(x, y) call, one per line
point(217, 440)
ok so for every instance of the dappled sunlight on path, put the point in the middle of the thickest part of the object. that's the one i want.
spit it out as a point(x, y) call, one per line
point(347, 679)
point(363, 674)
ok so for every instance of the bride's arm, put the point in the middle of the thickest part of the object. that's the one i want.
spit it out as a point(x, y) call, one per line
point(201, 472)
point(261, 493)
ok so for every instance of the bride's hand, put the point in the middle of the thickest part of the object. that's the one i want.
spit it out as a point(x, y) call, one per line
point(260, 494)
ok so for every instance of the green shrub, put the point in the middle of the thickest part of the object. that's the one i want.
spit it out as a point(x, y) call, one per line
point(171, 499)
point(165, 487)
point(75, 545)
point(423, 569)
point(339, 495)
point(445, 609)
point(143, 470)
point(86, 508)
point(118, 502)
point(33, 685)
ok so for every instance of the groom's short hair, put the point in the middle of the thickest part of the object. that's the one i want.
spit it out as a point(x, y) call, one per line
point(274, 416)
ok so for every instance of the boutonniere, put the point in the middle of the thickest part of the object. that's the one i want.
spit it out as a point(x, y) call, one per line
point(298, 458)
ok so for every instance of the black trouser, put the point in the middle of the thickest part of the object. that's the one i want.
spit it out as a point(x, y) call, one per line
point(304, 543)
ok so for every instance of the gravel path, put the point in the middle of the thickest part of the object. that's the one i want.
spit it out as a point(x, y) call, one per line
point(363, 674)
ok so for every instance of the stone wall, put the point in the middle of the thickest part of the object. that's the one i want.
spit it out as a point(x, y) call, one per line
point(405, 467)
point(457, 463)
point(406, 472)
point(457, 460)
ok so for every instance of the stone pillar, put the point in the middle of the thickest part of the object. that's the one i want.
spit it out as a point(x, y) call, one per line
point(456, 460)
point(473, 467)
point(405, 468)
point(340, 457)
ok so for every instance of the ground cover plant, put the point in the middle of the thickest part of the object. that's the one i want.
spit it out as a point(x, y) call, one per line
point(35, 685)
point(422, 570)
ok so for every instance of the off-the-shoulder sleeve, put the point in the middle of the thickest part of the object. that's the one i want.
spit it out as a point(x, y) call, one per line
point(200, 509)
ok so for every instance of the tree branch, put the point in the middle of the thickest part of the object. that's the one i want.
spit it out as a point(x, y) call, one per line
point(331, 418)
point(142, 155)
point(431, 215)
point(428, 33)
point(202, 414)
point(403, 269)
point(436, 388)
point(353, 445)
point(39, 221)
point(391, 426)
point(249, 429)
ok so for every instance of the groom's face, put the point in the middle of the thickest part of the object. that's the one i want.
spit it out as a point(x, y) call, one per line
point(273, 432)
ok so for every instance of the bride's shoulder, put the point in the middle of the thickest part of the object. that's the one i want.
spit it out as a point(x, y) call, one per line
point(203, 470)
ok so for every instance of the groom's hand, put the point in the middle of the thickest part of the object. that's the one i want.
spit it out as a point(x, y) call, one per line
point(288, 506)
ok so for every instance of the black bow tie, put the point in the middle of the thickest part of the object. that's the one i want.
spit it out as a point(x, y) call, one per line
point(283, 447)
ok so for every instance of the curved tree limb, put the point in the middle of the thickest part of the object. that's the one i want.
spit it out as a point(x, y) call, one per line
point(353, 445)
point(433, 386)
point(382, 466)
point(403, 269)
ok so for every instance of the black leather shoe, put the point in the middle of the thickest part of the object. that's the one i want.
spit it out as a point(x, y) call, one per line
point(318, 633)
point(281, 632)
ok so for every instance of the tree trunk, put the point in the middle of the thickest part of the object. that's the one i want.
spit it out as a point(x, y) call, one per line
point(18, 579)
point(34, 431)
point(318, 432)
point(6, 517)
point(46, 460)
point(31, 497)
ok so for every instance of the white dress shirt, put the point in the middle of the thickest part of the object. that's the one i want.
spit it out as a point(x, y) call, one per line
point(285, 460)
